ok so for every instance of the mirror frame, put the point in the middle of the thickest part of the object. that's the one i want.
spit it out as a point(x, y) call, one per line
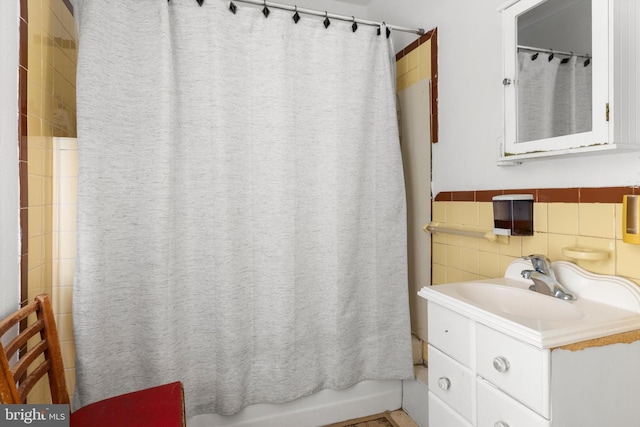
point(599, 137)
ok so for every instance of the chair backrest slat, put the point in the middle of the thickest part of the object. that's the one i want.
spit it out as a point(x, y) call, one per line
point(32, 379)
point(25, 360)
point(21, 340)
point(14, 385)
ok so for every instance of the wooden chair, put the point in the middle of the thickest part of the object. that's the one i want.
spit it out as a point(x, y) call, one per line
point(157, 406)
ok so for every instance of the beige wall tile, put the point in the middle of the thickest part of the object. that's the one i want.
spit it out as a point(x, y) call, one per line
point(454, 213)
point(513, 249)
point(606, 266)
point(469, 214)
point(536, 244)
point(488, 264)
point(485, 215)
point(470, 242)
point(540, 217)
point(504, 261)
point(413, 77)
point(563, 218)
point(556, 243)
point(627, 257)
point(470, 260)
point(454, 275)
point(424, 52)
point(597, 220)
point(413, 59)
point(618, 226)
point(439, 253)
point(454, 257)
point(439, 211)
point(402, 66)
point(439, 274)
point(469, 277)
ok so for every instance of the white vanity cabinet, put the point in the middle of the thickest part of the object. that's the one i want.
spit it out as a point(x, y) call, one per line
point(479, 376)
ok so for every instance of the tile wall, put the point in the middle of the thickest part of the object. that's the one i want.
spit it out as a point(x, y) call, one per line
point(589, 218)
point(417, 62)
point(48, 52)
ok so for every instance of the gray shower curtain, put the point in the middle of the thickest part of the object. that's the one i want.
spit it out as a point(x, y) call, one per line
point(241, 209)
point(554, 96)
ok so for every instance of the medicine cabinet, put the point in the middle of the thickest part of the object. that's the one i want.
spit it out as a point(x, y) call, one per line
point(570, 78)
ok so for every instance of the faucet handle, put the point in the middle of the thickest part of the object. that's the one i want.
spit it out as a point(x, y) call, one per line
point(540, 263)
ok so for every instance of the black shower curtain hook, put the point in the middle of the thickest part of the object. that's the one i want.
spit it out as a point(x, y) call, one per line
point(233, 8)
point(354, 26)
point(265, 10)
point(296, 16)
point(326, 21)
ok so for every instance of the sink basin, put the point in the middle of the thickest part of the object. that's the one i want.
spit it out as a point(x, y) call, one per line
point(518, 302)
point(605, 305)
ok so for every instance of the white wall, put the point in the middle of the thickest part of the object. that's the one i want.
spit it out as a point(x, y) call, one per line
point(9, 190)
point(470, 102)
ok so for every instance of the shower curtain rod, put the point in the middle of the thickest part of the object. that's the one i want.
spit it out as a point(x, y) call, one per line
point(419, 31)
point(559, 52)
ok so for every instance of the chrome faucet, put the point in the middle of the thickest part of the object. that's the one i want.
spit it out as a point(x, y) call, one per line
point(544, 279)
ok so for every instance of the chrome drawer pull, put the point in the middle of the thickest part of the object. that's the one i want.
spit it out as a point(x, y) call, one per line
point(444, 383)
point(500, 424)
point(501, 364)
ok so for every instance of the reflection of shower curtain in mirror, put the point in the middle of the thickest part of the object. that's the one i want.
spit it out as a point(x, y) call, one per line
point(554, 99)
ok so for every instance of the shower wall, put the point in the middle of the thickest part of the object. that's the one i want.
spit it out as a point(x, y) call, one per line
point(48, 55)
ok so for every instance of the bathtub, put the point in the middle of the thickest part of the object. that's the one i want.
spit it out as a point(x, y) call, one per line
point(323, 407)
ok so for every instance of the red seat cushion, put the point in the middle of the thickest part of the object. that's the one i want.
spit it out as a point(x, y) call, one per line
point(160, 406)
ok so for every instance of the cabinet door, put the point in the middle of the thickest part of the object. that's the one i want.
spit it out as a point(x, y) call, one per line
point(441, 415)
point(495, 408)
point(517, 368)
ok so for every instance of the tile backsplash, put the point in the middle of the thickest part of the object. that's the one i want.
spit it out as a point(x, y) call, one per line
point(564, 218)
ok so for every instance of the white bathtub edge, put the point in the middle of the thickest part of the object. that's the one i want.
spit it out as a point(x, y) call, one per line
point(324, 407)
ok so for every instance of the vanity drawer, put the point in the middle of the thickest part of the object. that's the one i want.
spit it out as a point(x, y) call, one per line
point(451, 333)
point(496, 407)
point(517, 368)
point(451, 382)
point(442, 415)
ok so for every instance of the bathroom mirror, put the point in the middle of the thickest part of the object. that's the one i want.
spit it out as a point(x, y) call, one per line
point(556, 82)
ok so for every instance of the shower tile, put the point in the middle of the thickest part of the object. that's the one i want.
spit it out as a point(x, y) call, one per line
point(413, 59)
point(402, 66)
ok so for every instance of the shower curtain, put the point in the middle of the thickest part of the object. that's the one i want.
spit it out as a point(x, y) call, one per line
point(554, 96)
point(241, 205)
